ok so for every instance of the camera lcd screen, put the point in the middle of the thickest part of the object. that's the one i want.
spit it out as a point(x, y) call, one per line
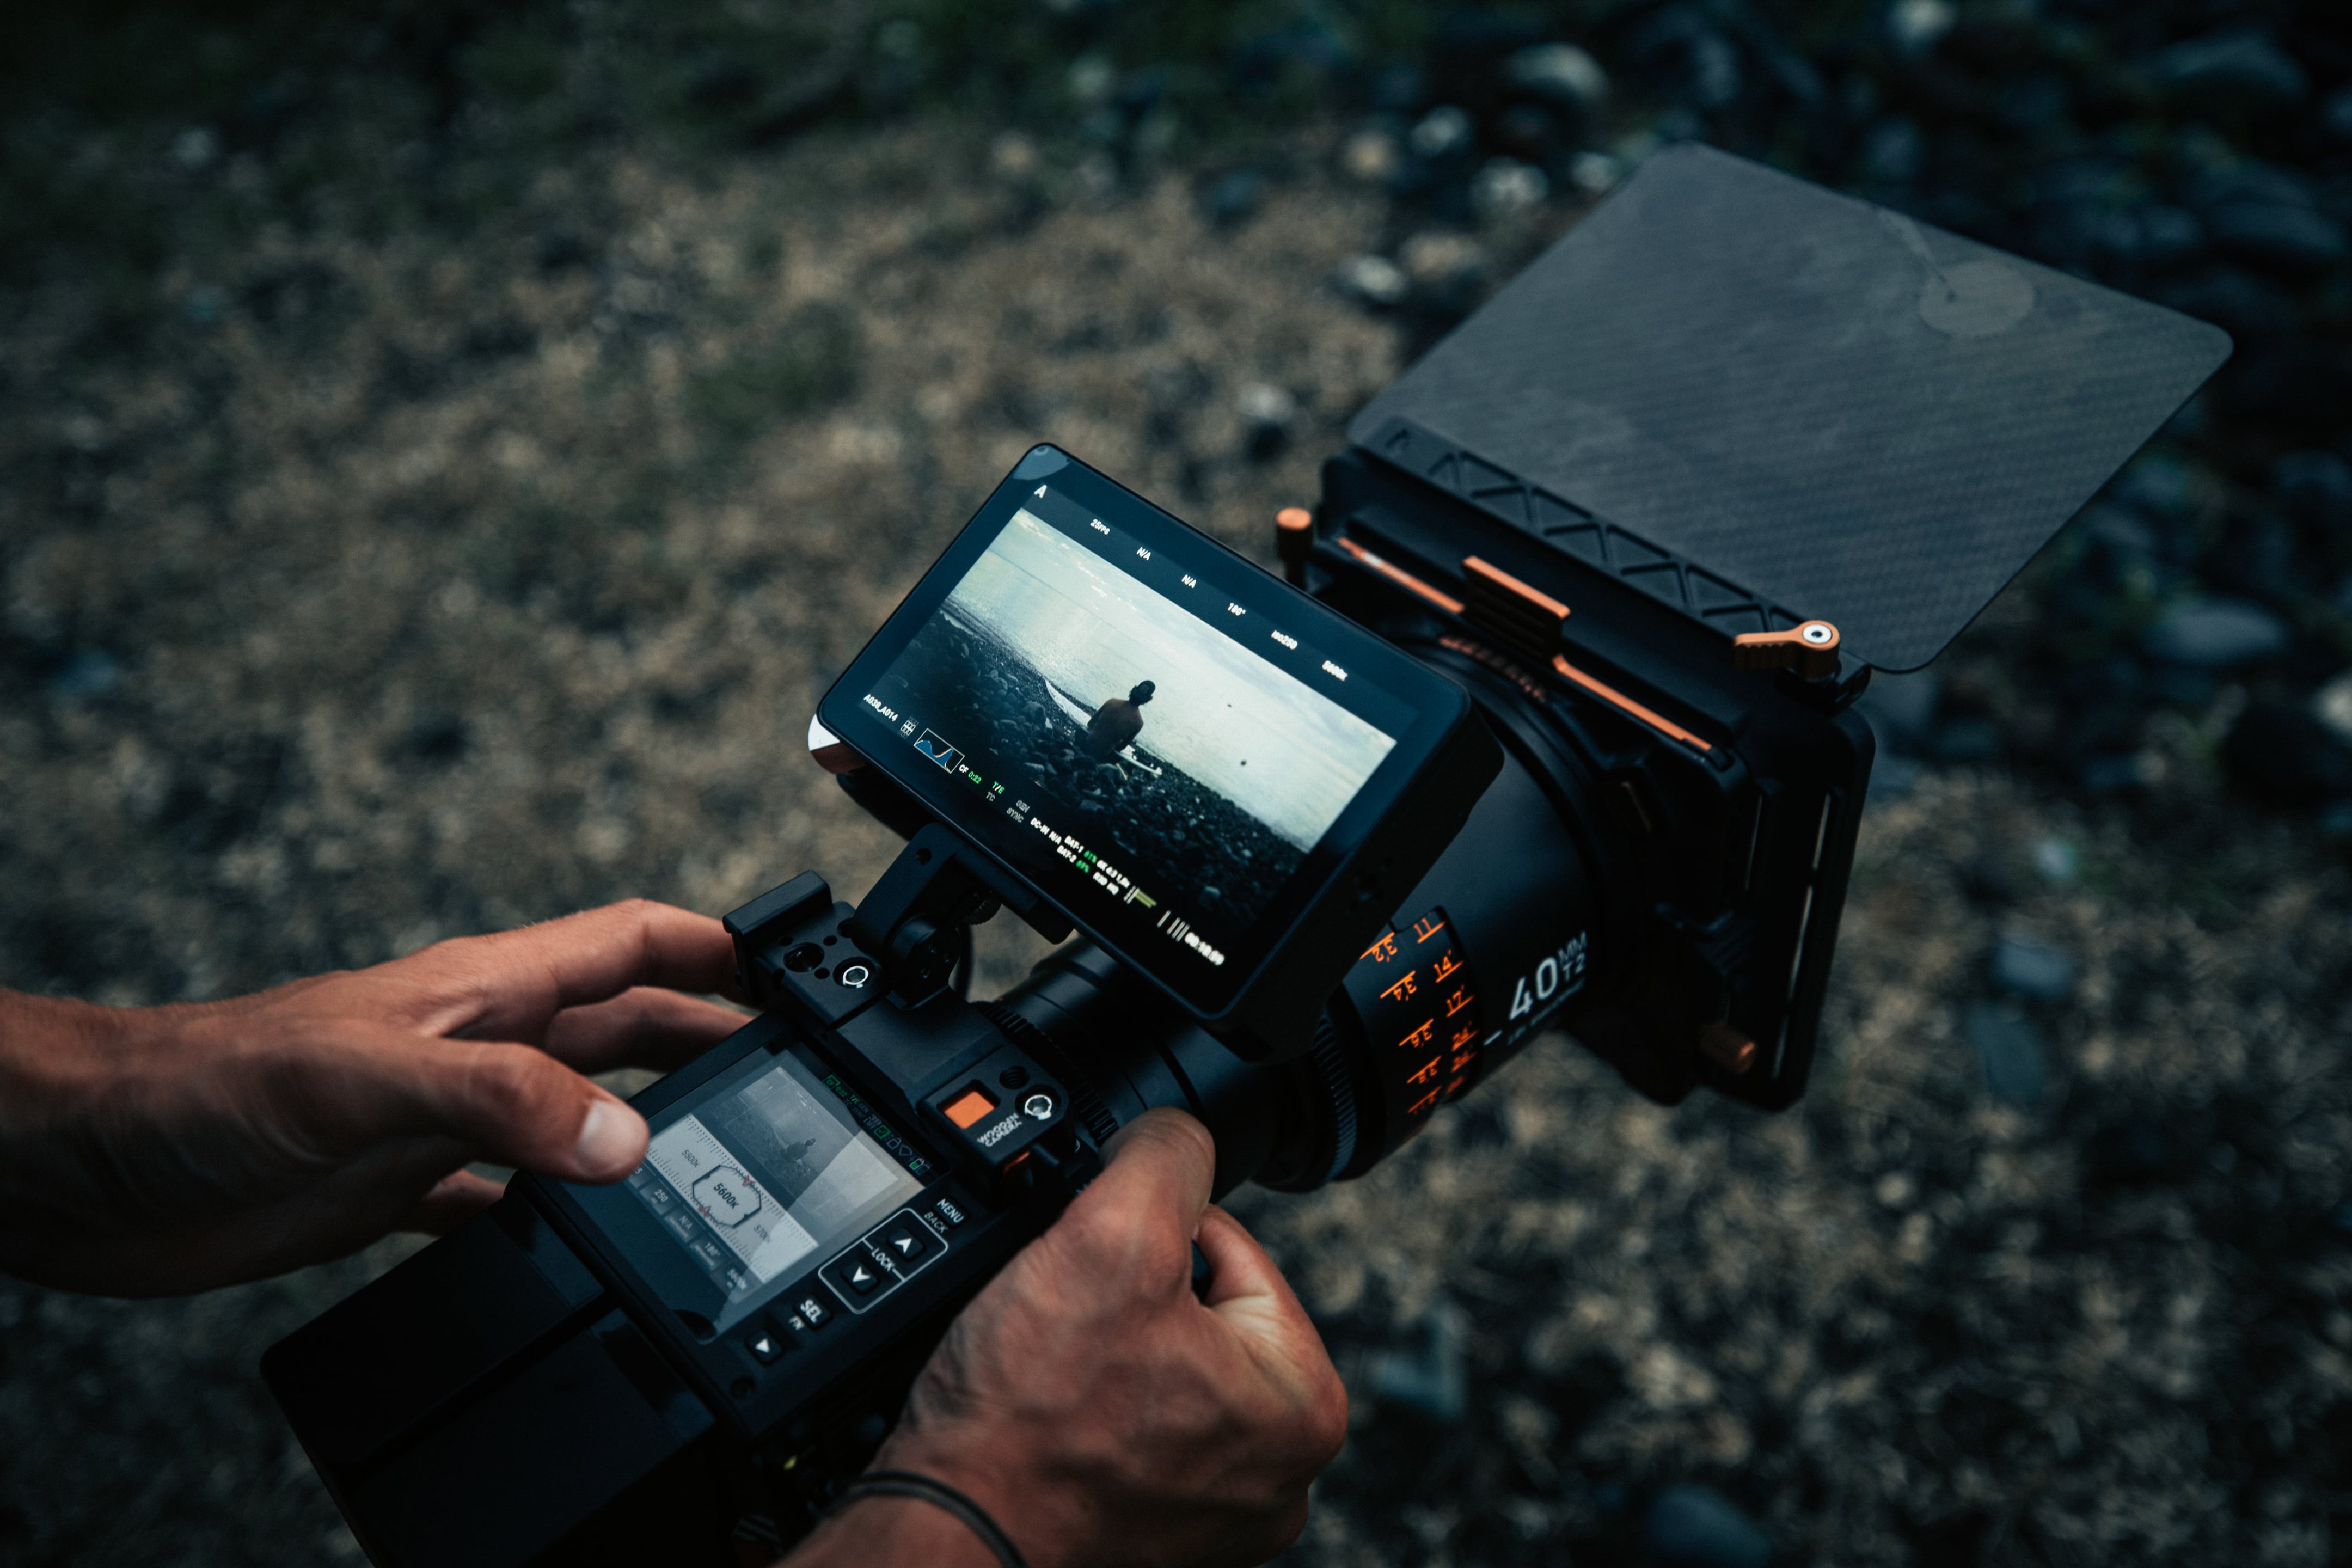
point(766, 1178)
point(1163, 737)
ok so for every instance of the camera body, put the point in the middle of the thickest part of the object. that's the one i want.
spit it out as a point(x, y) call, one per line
point(1553, 729)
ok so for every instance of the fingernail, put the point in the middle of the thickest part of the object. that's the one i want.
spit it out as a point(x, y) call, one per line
point(612, 1140)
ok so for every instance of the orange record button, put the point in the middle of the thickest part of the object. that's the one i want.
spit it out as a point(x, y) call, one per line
point(968, 1107)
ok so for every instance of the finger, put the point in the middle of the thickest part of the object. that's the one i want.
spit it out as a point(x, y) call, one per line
point(349, 1207)
point(509, 986)
point(508, 1104)
point(454, 1199)
point(643, 1026)
point(1240, 1269)
point(1137, 1218)
point(1249, 1295)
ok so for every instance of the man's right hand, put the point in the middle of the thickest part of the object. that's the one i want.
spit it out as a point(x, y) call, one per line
point(1098, 1409)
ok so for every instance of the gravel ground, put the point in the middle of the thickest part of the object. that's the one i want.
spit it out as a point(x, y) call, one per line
point(397, 586)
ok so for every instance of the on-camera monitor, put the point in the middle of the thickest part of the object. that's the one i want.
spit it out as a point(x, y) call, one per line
point(1160, 735)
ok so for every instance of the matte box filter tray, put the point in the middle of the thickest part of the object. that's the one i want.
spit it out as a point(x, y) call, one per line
point(1763, 401)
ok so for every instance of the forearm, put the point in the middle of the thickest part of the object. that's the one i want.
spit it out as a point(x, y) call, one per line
point(892, 1533)
point(52, 1052)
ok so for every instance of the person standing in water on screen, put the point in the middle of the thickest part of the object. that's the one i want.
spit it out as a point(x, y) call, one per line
point(1118, 722)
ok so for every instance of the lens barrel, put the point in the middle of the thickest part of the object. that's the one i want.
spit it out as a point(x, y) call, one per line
point(1488, 950)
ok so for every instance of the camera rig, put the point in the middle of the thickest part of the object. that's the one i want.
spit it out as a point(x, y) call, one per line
point(1657, 510)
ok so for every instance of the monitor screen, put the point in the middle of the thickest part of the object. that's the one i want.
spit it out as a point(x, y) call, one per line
point(1161, 745)
point(768, 1178)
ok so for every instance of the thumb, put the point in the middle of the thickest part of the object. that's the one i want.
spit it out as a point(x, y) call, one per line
point(511, 1104)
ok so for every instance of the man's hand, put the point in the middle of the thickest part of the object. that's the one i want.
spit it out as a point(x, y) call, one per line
point(1098, 1410)
point(149, 1151)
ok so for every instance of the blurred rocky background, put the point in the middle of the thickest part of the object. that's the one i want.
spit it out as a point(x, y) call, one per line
point(446, 448)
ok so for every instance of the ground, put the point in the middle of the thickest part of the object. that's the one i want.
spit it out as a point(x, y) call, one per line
point(394, 587)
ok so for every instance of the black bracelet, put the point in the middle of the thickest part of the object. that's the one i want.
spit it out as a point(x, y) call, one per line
point(914, 1484)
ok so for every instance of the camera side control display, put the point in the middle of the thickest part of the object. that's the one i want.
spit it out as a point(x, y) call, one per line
point(882, 1259)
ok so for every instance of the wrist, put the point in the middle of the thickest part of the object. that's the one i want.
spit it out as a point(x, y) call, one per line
point(889, 1531)
point(997, 1471)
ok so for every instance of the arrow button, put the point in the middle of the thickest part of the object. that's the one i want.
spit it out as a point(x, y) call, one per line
point(857, 1273)
point(905, 1242)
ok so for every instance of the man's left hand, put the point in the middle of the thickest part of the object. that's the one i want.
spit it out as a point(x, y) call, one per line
point(160, 1150)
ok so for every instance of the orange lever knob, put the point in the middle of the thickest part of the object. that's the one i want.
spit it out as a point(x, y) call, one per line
point(1810, 649)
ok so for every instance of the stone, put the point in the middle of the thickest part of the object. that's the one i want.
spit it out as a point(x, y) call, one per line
point(1595, 173)
point(2010, 1050)
point(2116, 530)
point(2332, 706)
point(1527, 130)
point(196, 149)
point(1093, 78)
point(1561, 74)
point(2313, 487)
point(1432, 1377)
point(2115, 772)
point(2287, 238)
point(2023, 967)
point(1680, 44)
point(2168, 236)
point(560, 247)
point(1506, 185)
point(1370, 155)
point(1235, 197)
point(2216, 634)
point(1436, 259)
point(1444, 131)
point(2036, 104)
point(1891, 776)
point(1266, 412)
point(2284, 753)
point(2251, 179)
point(1969, 740)
point(2056, 860)
point(2251, 309)
point(1915, 27)
point(1894, 152)
point(1690, 1526)
point(1399, 90)
point(1374, 279)
point(2156, 482)
point(85, 676)
point(2237, 67)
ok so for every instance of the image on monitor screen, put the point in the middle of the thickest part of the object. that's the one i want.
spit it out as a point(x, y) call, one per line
point(1205, 772)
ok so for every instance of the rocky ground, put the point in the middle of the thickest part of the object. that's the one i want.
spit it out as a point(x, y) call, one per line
point(441, 462)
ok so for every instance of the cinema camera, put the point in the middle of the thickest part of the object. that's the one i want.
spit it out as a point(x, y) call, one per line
point(1558, 735)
